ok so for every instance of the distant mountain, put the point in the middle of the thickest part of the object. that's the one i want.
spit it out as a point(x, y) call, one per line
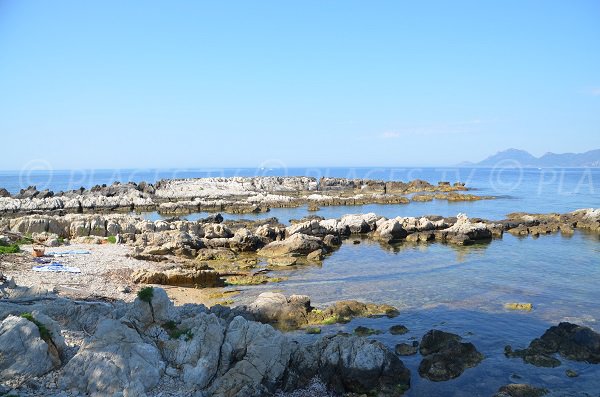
point(525, 159)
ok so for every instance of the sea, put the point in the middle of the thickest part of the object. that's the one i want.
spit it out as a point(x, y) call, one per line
point(435, 286)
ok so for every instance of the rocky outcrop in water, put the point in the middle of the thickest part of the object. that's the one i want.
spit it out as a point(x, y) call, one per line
point(296, 311)
point(571, 341)
point(522, 224)
point(234, 195)
point(445, 357)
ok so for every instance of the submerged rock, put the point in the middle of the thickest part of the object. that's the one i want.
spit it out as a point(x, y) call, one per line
point(398, 329)
point(365, 331)
point(520, 390)
point(445, 356)
point(405, 349)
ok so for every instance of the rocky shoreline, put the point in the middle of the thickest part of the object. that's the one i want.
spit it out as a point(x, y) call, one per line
point(199, 252)
point(117, 331)
point(149, 347)
point(229, 195)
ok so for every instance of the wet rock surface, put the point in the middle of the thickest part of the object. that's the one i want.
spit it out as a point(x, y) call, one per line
point(445, 357)
point(571, 341)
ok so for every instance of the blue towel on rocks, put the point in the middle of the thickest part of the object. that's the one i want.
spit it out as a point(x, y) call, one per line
point(56, 267)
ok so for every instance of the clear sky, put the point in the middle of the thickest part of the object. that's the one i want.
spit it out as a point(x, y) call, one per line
point(114, 84)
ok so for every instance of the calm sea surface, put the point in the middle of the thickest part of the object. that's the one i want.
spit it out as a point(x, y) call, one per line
point(457, 289)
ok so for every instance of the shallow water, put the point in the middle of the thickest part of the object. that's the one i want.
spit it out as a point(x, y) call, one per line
point(463, 290)
point(457, 289)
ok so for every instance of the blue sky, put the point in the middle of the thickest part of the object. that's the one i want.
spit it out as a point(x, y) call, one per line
point(115, 84)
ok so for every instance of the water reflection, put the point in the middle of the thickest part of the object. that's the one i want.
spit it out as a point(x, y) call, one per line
point(463, 290)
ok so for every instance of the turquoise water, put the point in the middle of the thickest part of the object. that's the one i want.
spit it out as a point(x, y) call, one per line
point(463, 290)
point(457, 289)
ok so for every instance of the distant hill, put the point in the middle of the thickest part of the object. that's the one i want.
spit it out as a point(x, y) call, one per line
point(525, 159)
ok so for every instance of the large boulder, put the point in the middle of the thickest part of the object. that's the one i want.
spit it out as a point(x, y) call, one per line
point(115, 361)
point(389, 231)
point(23, 352)
point(296, 311)
point(359, 223)
point(445, 357)
point(465, 232)
point(295, 245)
point(275, 308)
point(318, 227)
point(155, 308)
point(196, 349)
point(217, 230)
point(244, 241)
point(350, 364)
point(254, 359)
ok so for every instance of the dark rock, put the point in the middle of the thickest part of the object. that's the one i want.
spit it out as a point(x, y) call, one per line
point(520, 390)
point(348, 364)
point(28, 193)
point(445, 356)
point(533, 357)
point(435, 340)
point(364, 331)
point(332, 241)
point(45, 194)
point(398, 329)
point(571, 341)
point(217, 218)
point(405, 349)
point(4, 192)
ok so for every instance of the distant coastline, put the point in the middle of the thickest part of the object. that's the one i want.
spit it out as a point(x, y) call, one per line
point(520, 158)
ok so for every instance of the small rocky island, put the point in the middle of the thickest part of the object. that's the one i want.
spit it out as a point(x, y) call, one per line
point(129, 331)
point(231, 195)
